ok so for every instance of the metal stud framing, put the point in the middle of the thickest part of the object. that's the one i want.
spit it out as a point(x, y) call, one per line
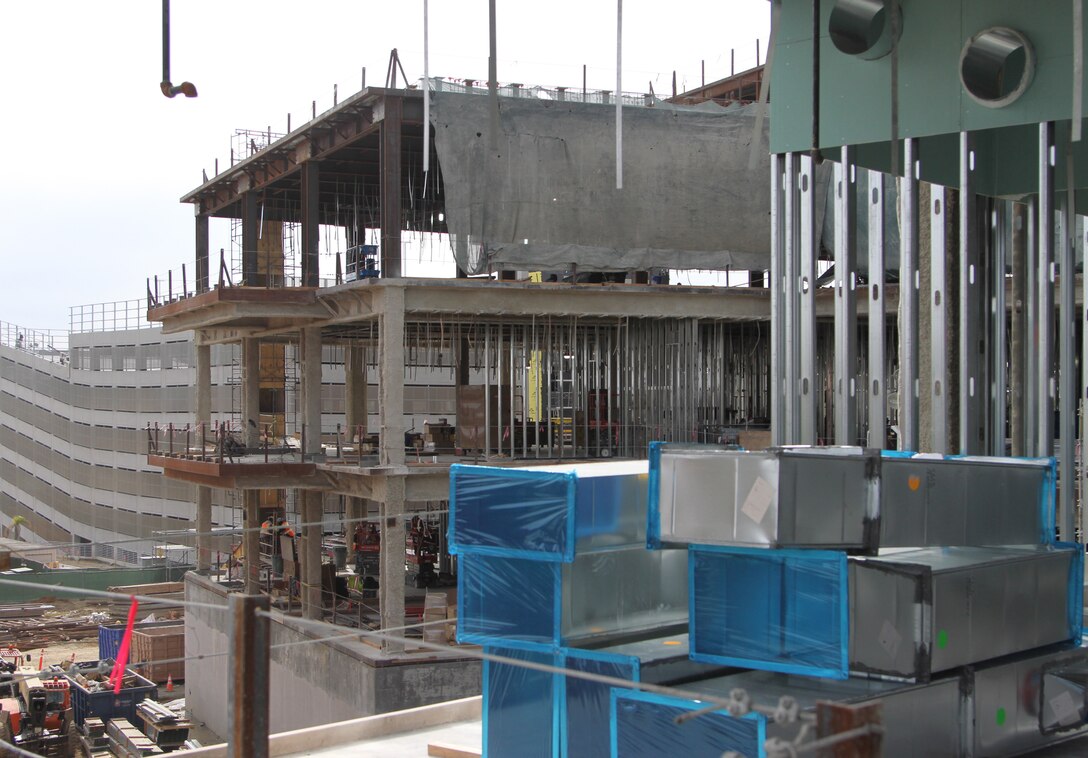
point(807, 333)
point(938, 321)
point(846, 313)
point(878, 393)
point(1044, 349)
point(908, 300)
point(778, 421)
point(791, 370)
point(999, 252)
point(972, 286)
point(1067, 392)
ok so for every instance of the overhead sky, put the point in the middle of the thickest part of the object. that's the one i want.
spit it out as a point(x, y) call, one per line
point(95, 158)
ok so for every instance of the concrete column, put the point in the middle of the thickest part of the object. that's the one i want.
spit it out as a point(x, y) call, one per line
point(203, 494)
point(251, 221)
point(312, 508)
point(310, 353)
point(252, 539)
point(251, 391)
point(391, 378)
point(391, 187)
point(311, 180)
point(391, 579)
point(355, 389)
point(938, 433)
point(201, 252)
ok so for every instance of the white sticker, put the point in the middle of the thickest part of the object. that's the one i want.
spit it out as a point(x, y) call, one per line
point(1065, 709)
point(890, 639)
point(758, 501)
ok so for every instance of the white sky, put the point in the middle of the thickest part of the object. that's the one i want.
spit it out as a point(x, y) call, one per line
point(95, 158)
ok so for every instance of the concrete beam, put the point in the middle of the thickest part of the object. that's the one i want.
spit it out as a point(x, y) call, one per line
point(201, 253)
point(355, 389)
point(311, 219)
point(251, 221)
point(203, 420)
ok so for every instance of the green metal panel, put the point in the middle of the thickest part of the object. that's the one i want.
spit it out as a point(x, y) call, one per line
point(856, 93)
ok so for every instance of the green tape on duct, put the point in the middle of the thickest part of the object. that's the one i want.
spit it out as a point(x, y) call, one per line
point(942, 639)
point(1000, 717)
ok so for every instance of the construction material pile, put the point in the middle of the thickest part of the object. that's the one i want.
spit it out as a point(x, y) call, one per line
point(831, 595)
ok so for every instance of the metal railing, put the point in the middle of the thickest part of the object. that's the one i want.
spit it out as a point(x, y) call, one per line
point(51, 344)
point(563, 94)
point(120, 315)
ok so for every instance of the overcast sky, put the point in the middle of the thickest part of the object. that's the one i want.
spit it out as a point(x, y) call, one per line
point(95, 158)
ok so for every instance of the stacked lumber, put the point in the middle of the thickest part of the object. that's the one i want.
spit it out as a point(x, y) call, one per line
point(126, 741)
point(166, 728)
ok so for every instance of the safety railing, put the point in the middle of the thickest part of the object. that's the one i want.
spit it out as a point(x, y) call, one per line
point(51, 344)
point(562, 94)
point(119, 315)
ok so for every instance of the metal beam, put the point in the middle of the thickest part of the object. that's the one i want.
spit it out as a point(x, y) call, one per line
point(878, 394)
point(908, 300)
point(971, 316)
point(791, 289)
point(999, 322)
point(250, 641)
point(846, 312)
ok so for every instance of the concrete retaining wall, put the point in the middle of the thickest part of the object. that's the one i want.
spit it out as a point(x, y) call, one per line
point(311, 684)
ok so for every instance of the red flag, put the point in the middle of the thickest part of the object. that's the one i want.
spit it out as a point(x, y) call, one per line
point(122, 654)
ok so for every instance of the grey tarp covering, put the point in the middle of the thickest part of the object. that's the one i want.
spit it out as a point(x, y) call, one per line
point(547, 197)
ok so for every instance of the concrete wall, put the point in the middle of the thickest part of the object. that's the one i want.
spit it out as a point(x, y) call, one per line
point(311, 684)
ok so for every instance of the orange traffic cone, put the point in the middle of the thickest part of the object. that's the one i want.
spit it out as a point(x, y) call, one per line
point(41, 660)
point(169, 683)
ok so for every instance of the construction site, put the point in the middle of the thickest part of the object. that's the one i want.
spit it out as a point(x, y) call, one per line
point(748, 424)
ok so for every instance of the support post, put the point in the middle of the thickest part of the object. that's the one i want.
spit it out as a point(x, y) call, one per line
point(251, 391)
point(251, 539)
point(391, 378)
point(311, 219)
point(250, 678)
point(908, 300)
point(846, 312)
point(310, 351)
point(312, 513)
point(201, 252)
point(251, 233)
point(1018, 370)
point(807, 334)
point(878, 394)
point(391, 187)
point(391, 580)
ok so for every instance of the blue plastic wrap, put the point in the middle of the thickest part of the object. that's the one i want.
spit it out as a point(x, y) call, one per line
point(547, 513)
point(512, 600)
point(773, 610)
point(644, 726)
point(520, 602)
point(519, 706)
point(585, 705)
